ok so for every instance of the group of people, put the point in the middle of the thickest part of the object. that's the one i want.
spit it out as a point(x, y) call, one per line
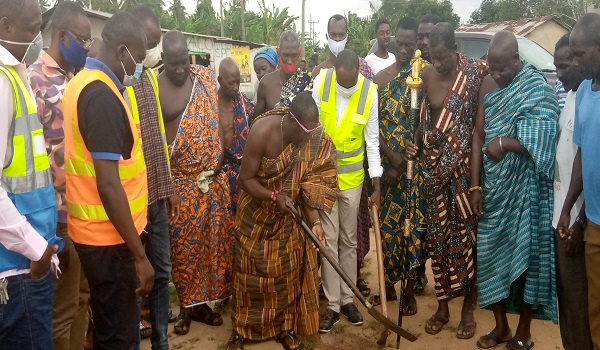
point(116, 179)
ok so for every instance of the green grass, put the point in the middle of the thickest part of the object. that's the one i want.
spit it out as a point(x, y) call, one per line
point(222, 346)
point(339, 328)
point(173, 298)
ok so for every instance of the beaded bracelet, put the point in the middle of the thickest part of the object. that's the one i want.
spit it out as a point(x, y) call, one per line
point(274, 195)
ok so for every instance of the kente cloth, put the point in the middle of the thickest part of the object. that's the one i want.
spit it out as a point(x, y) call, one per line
point(515, 236)
point(243, 110)
point(202, 237)
point(451, 224)
point(363, 225)
point(296, 84)
point(275, 284)
point(395, 128)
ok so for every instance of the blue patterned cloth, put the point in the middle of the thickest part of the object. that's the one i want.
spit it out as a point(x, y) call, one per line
point(515, 237)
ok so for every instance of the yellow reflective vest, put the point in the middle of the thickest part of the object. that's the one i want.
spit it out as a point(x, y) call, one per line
point(348, 134)
point(136, 114)
point(26, 177)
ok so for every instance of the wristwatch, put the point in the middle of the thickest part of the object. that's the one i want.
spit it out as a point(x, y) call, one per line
point(581, 222)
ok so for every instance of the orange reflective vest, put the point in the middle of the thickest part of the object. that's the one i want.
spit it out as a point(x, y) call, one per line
point(87, 221)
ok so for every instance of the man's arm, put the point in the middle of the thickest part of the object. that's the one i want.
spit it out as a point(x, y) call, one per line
point(373, 156)
point(261, 101)
point(253, 152)
point(575, 187)
point(476, 198)
point(16, 234)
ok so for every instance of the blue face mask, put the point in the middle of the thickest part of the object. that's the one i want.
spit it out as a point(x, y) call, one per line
point(75, 55)
point(130, 80)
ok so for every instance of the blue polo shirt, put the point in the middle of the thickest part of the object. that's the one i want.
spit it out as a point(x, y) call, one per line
point(587, 136)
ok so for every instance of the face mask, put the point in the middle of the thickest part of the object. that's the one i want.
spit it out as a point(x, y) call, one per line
point(288, 68)
point(130, 80)
point(152, 57)
point(346, 92)
point(34, 49)
point(336, 46)
point(75, 55)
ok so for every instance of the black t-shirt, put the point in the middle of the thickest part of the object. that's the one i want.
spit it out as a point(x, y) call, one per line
point(103, 122)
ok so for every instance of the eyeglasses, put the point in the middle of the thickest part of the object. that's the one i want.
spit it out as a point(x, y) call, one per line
point(302, 126)
point(86, 43)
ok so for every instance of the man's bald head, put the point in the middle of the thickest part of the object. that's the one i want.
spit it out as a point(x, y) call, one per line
point(504, 42)
point(503, 58)
point(174, 42)
point(176, 58)
point(229, 78)
point(584, 43)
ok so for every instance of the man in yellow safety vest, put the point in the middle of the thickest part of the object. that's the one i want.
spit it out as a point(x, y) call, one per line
point(348, 106)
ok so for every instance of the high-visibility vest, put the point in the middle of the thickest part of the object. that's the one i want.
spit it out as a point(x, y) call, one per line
point(347, 135)
point(87, 221)
point(136, 114)
point(27, 178)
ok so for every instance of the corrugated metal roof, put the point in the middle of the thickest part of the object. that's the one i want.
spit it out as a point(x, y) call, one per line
point(519, 27)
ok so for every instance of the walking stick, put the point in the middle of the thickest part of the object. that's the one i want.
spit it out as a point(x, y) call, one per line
point(380, 273)
point(372, 311)
point(414, 82)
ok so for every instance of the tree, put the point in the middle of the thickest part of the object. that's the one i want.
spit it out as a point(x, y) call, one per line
point(394, 10)
point(273, 22)
point(360, 32)
point(204, 20)
point(567, 11)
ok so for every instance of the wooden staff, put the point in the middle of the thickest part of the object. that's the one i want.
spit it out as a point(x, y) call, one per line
point(380, 273)
point(414, 82)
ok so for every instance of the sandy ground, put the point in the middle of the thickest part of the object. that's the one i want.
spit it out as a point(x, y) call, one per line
point(344, 336)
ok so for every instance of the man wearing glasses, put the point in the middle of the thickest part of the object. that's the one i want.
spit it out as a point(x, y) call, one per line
point(49, 76)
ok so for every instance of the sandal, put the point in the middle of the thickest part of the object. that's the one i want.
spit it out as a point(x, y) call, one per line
point(363, 287)
point(289, 336)
point(436, 320)
point(468, 328)
point(410, 306)
point(236, 342)
point(182, 323)
point(203, 313)
point(492, 337)
point(514, 342)
point(145, 329)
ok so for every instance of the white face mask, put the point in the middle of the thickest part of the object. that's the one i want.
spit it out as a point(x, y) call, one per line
point(34, 49)
point(152, 57)
point(336, 46)
point(346, 92)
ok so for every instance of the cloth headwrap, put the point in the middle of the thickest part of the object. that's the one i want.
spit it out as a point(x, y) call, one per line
point(269, 54)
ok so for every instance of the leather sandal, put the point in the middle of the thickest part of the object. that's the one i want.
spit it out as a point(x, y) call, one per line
point(235, 342)
point(182, 323)
point(289, 336)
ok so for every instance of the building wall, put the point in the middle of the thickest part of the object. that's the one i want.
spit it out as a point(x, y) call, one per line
point(96, 26)
point(547, 35)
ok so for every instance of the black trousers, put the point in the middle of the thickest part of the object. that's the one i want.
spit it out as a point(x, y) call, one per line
point(110, 271)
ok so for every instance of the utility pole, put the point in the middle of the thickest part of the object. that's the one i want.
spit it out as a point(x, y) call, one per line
point(222, 24)
point(303, 31)
point(243, 25)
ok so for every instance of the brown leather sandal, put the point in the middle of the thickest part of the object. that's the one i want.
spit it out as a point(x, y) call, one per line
point(182, 323)
point(287, 337)
point(236, 342)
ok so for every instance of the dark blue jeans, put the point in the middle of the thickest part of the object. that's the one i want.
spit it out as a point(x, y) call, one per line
point(158, 251)
point(26, 321)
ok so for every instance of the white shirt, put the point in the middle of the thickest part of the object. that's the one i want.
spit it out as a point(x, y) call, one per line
point(563, 166)
point(377, 63)
point(371, 129)
point(16, 234)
